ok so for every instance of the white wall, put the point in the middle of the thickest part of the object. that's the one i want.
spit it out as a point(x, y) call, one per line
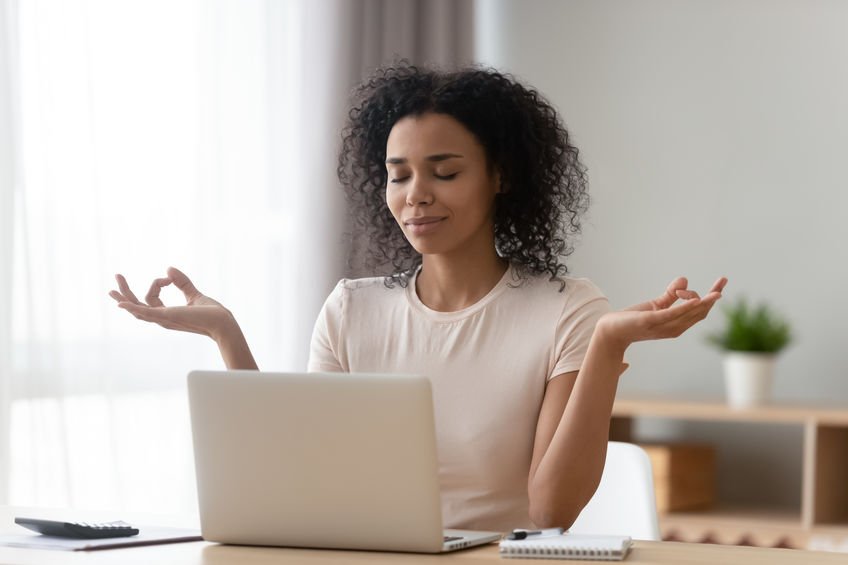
point(716, 134)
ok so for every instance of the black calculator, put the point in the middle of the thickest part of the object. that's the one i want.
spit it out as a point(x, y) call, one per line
point(79, 530)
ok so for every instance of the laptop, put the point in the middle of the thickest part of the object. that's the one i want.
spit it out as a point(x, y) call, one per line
point(323, 460)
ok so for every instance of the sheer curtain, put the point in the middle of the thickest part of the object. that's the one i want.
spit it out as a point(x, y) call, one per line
point(142, 134)
point(143, 142)
point(7, 184)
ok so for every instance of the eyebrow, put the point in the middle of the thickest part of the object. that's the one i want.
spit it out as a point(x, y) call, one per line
point(433, 158)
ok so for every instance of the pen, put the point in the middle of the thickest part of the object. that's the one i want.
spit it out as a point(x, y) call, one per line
point(523, 534)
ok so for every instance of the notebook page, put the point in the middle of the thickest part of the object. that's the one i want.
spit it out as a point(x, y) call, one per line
point(568, 546)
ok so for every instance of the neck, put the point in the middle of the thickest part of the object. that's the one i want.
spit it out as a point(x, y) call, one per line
point(453, 281)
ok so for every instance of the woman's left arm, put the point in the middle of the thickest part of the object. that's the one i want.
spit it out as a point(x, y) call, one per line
point(573, 427)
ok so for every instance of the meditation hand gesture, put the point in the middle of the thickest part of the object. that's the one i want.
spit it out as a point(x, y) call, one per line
point(658, 319)
point(201, 314)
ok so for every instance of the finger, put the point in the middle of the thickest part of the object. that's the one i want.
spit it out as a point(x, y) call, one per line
point(183, 283)
point(159, 316)
point(674, 313)
point(175, 317)
point(117, 296)
point(152, 297)
point(125, 289)
point(703, 309)
point(151, 315)
point(686, 294)
point(713, 297)
point(128, 306)
point(664, 301)
point(670, 296)
point(708, 302)
point(144, 312)
point(674, 321)
point(719, 285)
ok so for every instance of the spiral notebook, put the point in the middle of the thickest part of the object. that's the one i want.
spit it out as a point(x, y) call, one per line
point(568, 546)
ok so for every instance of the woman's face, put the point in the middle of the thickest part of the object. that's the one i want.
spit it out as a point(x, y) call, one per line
point(440, 189)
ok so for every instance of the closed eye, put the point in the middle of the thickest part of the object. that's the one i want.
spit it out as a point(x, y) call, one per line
point(440, 177)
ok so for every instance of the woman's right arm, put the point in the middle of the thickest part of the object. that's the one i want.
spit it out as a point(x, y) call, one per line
point(201, 314)
point(235, 351)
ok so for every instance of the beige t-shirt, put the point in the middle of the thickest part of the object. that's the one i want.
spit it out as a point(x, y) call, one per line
point(488, 365)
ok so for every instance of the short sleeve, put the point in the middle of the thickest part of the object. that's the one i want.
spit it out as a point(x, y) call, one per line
point(324, 347)
point(584, 307)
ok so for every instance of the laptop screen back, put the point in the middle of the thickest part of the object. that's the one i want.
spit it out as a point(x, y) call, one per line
point(316, 460)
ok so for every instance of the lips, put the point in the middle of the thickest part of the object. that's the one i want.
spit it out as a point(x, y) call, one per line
point(422, 225)
point(421, 220)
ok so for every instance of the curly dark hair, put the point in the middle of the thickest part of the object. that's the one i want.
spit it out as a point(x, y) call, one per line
point(543, 191)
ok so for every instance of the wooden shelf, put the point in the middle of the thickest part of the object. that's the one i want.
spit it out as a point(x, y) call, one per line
point(824, 488)
point(767, 527)
point(716, 411)
point(741, 516)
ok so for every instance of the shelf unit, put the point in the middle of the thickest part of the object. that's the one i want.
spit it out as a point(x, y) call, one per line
point(823, 517)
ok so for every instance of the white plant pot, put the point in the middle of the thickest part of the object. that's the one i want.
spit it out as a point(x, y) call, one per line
point(748, 378)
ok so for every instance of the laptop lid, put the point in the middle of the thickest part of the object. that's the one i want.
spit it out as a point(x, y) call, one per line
point(316, 460)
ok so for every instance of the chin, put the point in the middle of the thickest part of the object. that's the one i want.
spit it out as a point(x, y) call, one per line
point(434, 244)
point(427, 248)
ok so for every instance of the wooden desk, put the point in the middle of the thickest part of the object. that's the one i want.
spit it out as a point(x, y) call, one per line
point(203, 553)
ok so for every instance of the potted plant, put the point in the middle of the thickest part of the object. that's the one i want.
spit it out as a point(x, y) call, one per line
point(751, 340)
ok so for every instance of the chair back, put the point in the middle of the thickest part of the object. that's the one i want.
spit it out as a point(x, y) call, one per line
point(624, 503)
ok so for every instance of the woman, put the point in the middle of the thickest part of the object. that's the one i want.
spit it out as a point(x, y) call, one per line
point(470, 189)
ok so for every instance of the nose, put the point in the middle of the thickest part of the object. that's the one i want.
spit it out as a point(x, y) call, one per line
point(418, 193)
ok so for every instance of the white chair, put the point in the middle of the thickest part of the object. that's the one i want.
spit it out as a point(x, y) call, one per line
point(624, 503)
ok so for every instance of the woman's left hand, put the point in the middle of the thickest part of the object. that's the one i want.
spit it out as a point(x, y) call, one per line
point(658, 319)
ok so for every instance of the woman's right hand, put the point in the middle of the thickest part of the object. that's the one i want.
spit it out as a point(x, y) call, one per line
point(201, 314)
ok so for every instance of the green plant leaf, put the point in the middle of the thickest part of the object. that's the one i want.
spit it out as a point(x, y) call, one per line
point(757, 329)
